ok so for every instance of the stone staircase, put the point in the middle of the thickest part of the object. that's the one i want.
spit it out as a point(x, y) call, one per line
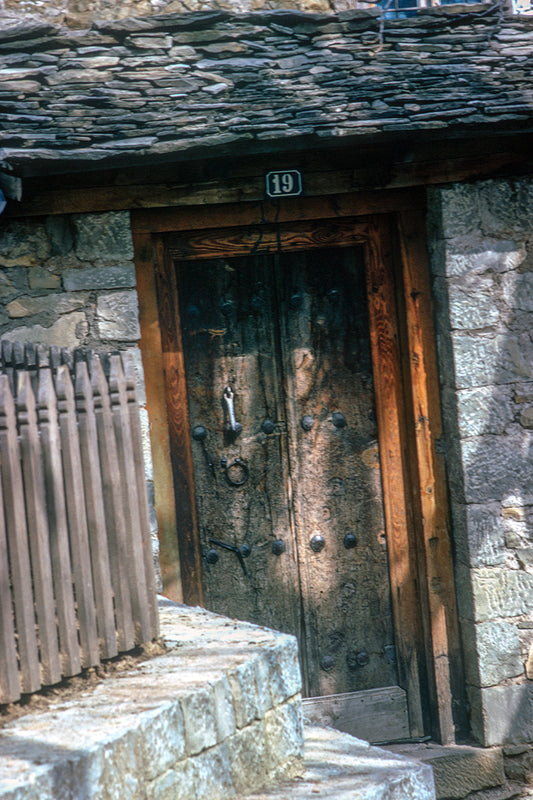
point(217, 715)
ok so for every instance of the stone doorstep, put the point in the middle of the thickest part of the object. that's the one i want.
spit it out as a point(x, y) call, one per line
point(219, 713)
point(462, 771)
point(338, 766)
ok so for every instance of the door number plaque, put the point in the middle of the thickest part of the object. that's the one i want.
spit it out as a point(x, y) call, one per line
point(284, 183)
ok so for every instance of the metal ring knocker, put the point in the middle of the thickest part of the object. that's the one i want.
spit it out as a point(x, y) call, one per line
point(244, 472)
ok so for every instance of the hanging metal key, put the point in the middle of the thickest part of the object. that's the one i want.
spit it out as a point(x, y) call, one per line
point(233, 426)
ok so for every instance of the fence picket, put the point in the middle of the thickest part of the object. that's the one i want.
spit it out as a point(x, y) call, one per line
point(38, 533)
point(57, 521)
point(9, 674)
point(142, 495)
point(136, 570)
point(96, 520)
point(115, 512)
point(75, 498)
point(18, 541)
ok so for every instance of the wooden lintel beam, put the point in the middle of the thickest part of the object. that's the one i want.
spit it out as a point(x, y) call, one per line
point(76, 196)
point(289, 210)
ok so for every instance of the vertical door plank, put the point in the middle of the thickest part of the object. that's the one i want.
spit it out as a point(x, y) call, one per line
point(150, 345)
point(9, 674)
point(114, 506)
point(38, 533)
point(75, 498)
point(229, 339)
point(390, 406)
point(135, 563)
point(438, 580)
point(17, 533)
point(96, 521)
point(142, 495)
point(57, 523)
point(179, 428)
point(336, 477)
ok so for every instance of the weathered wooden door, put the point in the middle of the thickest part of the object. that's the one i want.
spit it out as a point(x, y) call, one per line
point(287, 471)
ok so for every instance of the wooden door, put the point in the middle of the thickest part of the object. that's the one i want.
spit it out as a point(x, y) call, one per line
point(278, 363)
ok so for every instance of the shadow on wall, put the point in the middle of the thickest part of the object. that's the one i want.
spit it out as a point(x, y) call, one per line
point(482, 253)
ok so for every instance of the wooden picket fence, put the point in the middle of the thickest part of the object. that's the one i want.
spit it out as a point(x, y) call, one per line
point(77, 583)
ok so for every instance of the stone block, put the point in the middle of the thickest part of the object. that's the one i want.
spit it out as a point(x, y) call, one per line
point(501, 593)
point(284, 670)
point(485, 535)
point(117, 315)
point(103, 237)
point(212, 774)
point(483, 359)
point(7, 287)
point(517, 531)
point(48, 304)
point(24, 244)
point(458, 770)
point(248, 757)
point(506, 207)
point(70, 330)
point(264, 699)
point(178, 783)
point(492, 654)
point(474, 303)
point(475, 255)
point(487, 409)
point(517, 290)
point(223, 709)
point(461, 212)
point(60, 234)
point(497, 466)
point(162, 743)
point(506, 714)
point(244, 689)
point(43, 279)
point(117, 277)
point(199, 720)
point(285, 739)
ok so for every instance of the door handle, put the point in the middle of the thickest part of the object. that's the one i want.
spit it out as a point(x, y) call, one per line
point(233, 426)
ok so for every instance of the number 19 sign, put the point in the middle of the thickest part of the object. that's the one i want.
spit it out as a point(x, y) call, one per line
point(284, 183)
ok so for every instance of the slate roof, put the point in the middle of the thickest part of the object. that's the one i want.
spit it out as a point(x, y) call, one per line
point(168, 86)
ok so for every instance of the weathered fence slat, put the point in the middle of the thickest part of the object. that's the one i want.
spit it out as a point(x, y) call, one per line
point(57, 522)
point(38, 534)
point(96, 520)
point(9, 674)
point(135, 562)
point(115, 512)
point(18, 541)
point(79, 536)
point(142, 495)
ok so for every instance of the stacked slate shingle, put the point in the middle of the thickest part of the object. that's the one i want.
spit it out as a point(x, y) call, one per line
point(164, 86)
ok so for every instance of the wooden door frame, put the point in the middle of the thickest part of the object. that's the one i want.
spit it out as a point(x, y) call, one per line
point(409, 422)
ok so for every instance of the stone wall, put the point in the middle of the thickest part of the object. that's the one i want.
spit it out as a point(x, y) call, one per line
point(70, 281)
point(481, 241)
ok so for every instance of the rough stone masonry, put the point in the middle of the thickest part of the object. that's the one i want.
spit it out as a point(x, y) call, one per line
point(482, 256)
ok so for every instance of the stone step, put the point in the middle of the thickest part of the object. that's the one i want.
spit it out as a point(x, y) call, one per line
point(460, 770)
point(338, 766)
